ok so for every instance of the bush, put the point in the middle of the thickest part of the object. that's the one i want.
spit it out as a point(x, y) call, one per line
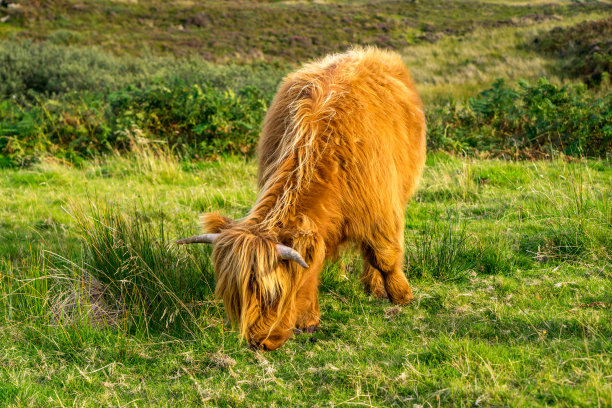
point(525, 122)
point(72, 127)
point(192, 119)
point(75, 103)
point(28, 69)
point(200, 120)
point(79, 102)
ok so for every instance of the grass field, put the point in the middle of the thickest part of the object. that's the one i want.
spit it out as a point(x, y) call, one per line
point(509, 261)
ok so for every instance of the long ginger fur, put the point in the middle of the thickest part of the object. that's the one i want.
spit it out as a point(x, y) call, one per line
point(341, 151)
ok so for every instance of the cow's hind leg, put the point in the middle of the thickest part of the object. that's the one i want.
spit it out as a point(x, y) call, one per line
point(386, 258)
point(372, 280)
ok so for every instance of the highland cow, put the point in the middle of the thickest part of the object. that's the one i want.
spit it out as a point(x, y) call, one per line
point(341, 151)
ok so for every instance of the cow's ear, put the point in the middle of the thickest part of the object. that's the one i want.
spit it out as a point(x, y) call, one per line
point(214, 223)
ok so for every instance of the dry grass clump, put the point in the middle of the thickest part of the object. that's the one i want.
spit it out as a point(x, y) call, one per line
point(222, 361)
point(86, 300)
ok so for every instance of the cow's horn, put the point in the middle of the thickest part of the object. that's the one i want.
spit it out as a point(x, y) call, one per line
point(198, 239)
point(291, 254)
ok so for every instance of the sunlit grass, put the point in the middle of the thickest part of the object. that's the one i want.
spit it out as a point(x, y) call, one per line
point(509, 263)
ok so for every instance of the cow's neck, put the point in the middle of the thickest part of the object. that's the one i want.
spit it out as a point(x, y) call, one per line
point(310, 211)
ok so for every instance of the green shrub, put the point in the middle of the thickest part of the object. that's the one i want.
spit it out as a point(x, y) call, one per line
point(70, 127)
point(79, 102)
point(28, 69)
point(200, 120)
point(527, 121)
point(73, 103)
point(441, 252)
point(192, 119)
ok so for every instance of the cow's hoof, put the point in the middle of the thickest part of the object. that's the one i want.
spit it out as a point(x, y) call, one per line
point(403, 300)
point(379, 292)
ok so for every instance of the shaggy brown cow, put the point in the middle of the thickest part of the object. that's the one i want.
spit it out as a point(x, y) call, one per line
point(341, 151)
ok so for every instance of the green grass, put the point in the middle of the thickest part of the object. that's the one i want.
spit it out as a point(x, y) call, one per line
point(509, 263)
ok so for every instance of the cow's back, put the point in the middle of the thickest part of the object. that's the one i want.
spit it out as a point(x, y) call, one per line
point(369, 130)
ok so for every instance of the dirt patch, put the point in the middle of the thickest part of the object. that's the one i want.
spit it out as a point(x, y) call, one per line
point(392, 312)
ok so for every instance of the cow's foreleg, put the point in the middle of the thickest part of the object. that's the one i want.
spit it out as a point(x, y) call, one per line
point(307, 304)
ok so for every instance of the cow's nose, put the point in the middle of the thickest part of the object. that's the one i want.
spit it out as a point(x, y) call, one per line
point(271, 344)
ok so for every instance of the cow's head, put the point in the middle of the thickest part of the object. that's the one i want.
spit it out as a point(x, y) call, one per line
point(257, 278)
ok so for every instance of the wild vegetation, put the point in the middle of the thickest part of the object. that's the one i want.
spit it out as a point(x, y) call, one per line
point(121, 122)
point(273, 30)
point(73, 102)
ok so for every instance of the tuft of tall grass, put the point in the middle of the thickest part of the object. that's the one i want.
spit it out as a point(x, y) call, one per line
point(24, 289)
point(439, 251)
point(158, 286)
point(574, 218)
point(154, 161)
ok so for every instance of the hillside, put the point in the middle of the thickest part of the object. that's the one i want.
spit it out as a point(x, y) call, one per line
point(288, 31)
